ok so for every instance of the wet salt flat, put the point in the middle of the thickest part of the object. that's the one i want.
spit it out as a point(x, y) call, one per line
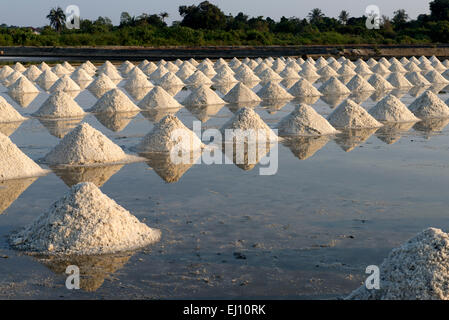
point(335, 205)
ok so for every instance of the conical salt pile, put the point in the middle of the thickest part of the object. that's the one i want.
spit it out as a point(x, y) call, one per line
point(170, 133)
point(241, 94)
point(417, 79)
point(85, 145)
point(68, 66)
point(417, 270)
point(321, 62)
point(391, 109)
point(158, 98)
point(273, 91)
point(201, 96)
point(327, 72)
point(84, 222)
point(333, 86)
point(293, 65)
point(112, 73)
point(363, 69)
point(269, 75)
point(5, 72)
point(385, 62)
point(65, 84)
point(412, 67)
point(278, 66)
point(198, 78)
point(350, 115)
point(59, 70)
point(32, 73)
point(346, 71)
point(305, 121)
point(379, 83)
point(169, 80)
point(8, 113)
point(428, 105)
point(60, 105)
point(399, 81)
point(12, 78)
point(21, 86)
point(185, 72)
point(149, 68)
point(19, 67)
point(335, 65)
point(126, 67)
point(136, 82)
point(101, 85)
point(114, 101)
point(261, 68)
point(14, 164)
point(357, 84)
point(438, 66)
point(434, 77)
point(426, 66)
point(289, 73)
point(80, 75)
point(246, 75)
point(304, 88)
point(170, 66)
point(43, 66)
point(234, 63)
point(380, 69)
point(208, 70)
point(47, 79)
point(397, 67)
point(247, 119)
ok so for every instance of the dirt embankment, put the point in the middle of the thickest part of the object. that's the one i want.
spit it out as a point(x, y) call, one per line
point(170, 53)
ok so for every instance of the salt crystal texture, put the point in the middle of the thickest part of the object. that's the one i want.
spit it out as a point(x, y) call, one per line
point(201, 96)
point(8, 113)
point(240, 93)
point(158, 98)
point(391, 109)
point(350, 115)
point(84, 222)
point(114, 101)
point(60, 105)
point(417, 270)
point(428, 105)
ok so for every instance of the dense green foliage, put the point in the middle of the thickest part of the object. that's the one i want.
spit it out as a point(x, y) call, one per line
point(206, 24)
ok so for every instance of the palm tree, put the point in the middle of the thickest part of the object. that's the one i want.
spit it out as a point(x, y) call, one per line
point(315, 15)
point(343, 17)
point(57, 18)
point(164, 15)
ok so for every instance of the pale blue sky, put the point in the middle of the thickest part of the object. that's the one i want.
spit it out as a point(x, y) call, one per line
point(33, 12)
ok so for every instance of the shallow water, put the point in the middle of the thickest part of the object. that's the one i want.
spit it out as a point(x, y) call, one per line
point(309, 231)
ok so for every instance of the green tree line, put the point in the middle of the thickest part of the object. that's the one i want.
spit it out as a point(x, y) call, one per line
point(207, 24)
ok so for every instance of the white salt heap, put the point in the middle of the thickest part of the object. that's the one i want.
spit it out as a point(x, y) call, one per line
point(68, 66)
point(101, 85)
point(158, 98)
point(84, 222)
point(202, 95)
point(43, 66)
point(346, 71)
point(19, 67)
point(399, 81)
point(417, 79)
point(114, 101)
point(379, 83)
point(85, 145)
point(435, 77)
point(417, 270)
point(305, 121)
point(247, 119)
point(428, 105)
point(363, 69)
point(46, 78)
point(350, 115)
point(14, 164)
point(289, 73)
point(149, 68)
point(81, 75)
point(412, 67)
point(333, 86)
point(327, 72)
point(391, 109)
point(22, 85)
point(380, 69)
point(169, 80)
point(60, 105)
point(32, 73)
point(59, 70)
point(185, 72)
point(8, 113)
point(303, 88)
point(245, 74)
point(111, 72)
point(397, 67)
point(136, 82)
point(240, 94)
point(357, 84)
point(273, 91)
point(65, 84)
point(12, 78)
point(198, 78)
point(269, 75)
point(169, 133)
point(208, 70)
point(5, 72)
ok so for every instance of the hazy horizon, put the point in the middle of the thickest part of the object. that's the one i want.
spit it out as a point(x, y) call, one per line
point(35, 14)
